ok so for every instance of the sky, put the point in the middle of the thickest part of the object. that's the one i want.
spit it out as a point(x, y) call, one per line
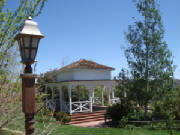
point(94, 30)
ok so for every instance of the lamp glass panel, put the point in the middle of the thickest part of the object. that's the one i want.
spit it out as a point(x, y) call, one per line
point(33, 54)
point(21, 42)
point(26, 54)
point(20, 48)
point(26, 41)
point(35, 42)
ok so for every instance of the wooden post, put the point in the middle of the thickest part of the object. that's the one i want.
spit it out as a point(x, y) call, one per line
point(70, 100)
point(28, 99)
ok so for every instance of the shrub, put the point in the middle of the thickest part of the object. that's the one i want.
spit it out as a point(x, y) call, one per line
point(43, 115)
point(130, 126)
point(117, 111)
point(158, 113)
point(62, 117)
point(122, 123)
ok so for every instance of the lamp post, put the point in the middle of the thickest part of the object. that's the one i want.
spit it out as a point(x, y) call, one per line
point(28, 41)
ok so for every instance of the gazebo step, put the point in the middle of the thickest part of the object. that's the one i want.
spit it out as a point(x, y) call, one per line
point(87, 117)
point(86, 120)
point(87, 113)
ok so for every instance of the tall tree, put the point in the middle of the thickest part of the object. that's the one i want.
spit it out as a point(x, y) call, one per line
point(147, 53)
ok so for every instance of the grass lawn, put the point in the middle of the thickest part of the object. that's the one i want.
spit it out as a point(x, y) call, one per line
point(73, 130)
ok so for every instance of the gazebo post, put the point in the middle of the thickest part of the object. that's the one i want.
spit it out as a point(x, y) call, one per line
point(102, 95)
point(113, 96)
point(60, 97)
point(70, 100)
point(109, 94)
point(93, 95)
point(91, 89)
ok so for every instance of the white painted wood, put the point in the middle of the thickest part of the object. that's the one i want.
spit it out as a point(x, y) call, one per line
point(112, 93)
point(84, 74)
point(109, 95)
point(65, 75)
point(91, 88)
point(115, 100)
point(60, 97)
point(91, 74)
point(70, 99)
point(102, 96)
point(87, 83)
point(91, 108)
point(93, 96)
point(81, 106)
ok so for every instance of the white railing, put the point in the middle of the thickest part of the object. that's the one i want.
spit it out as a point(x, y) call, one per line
point(81, 106)
point(97, 100)
point(115, 100)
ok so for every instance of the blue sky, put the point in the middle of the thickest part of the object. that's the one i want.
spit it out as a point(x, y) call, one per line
point(94, 30)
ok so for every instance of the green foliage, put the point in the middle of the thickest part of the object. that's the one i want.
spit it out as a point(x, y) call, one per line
point(158, 113)
point(62, 117)
point(117, 111)
point(43, 115)
point(80, 93)
point(50, 76)
point(122, 123)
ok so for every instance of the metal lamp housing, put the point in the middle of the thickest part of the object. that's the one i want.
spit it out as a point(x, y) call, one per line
point(28, 41)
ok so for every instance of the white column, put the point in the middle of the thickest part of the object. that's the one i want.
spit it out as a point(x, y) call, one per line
point(93, 95)
point(60, 97)
point(70, 100)
point(109, 94)
point(90, 97)
point(113, 96)
point(112, 93)
point(102, 96)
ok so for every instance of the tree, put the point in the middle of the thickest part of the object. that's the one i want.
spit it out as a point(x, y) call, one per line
point(11, 22)
point(147, 53)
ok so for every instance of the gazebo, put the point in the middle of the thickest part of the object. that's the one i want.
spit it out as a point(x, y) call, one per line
point(81, 73)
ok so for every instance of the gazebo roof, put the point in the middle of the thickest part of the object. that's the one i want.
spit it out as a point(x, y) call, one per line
point(86, 64)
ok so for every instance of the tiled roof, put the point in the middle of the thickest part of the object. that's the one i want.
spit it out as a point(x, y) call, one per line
point(86, 64)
